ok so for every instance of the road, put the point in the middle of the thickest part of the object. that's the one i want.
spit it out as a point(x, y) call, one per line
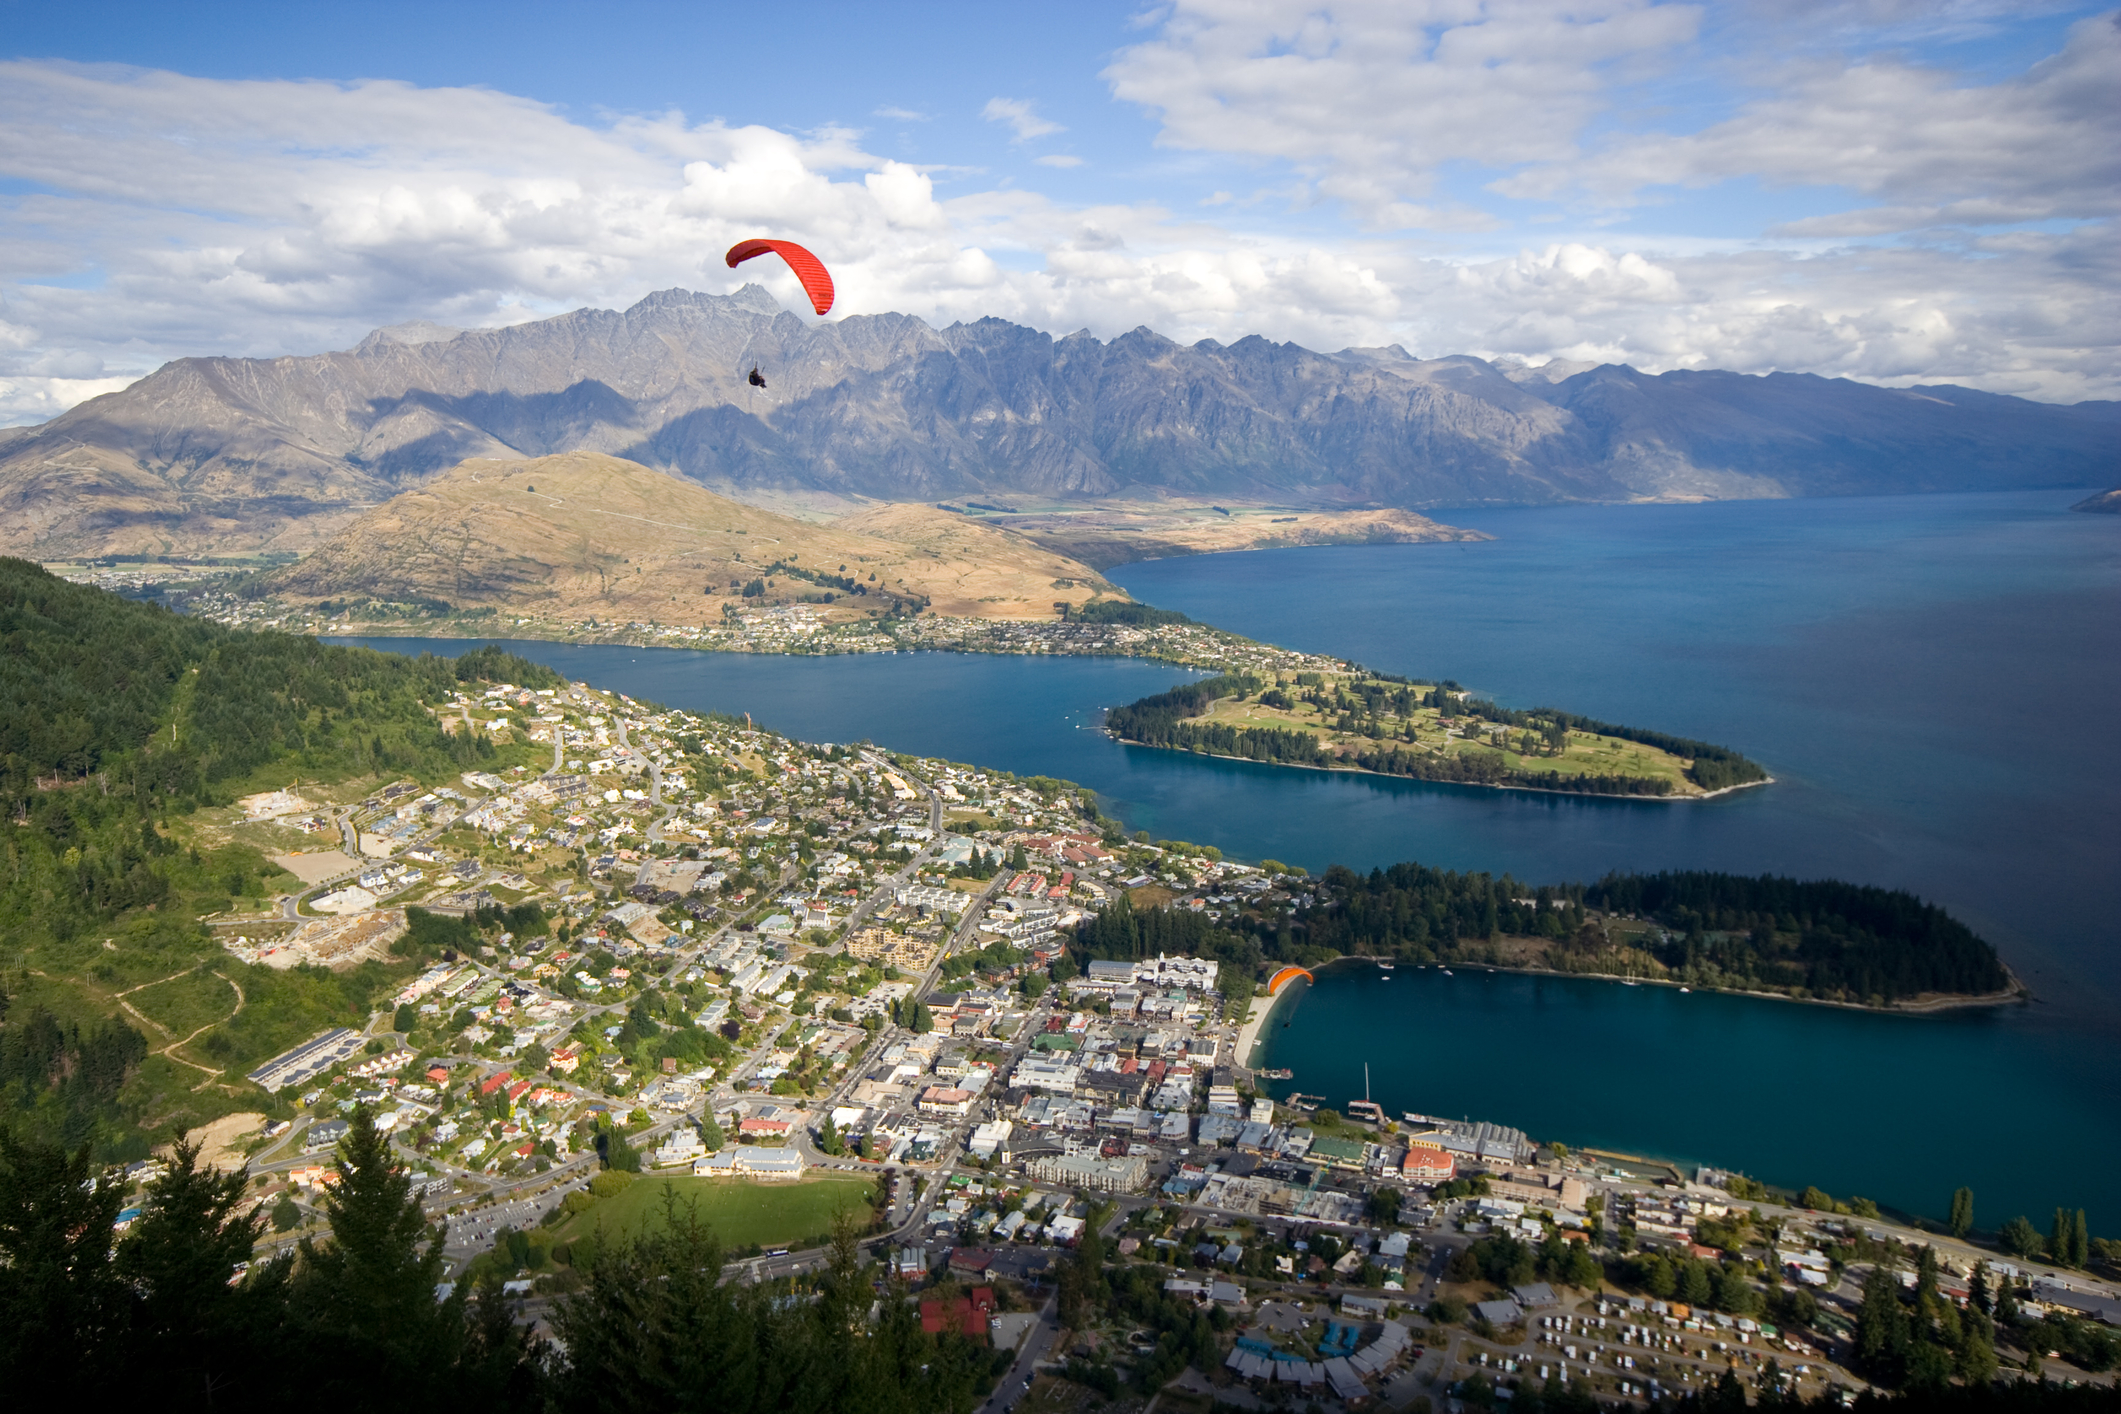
point(1037, 1342)
point(473, 1217)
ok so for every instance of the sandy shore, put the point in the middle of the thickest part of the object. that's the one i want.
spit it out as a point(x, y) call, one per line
point(1263, 1009)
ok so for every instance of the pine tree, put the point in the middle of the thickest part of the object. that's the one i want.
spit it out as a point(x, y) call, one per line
point(2080, 1240)
point(711, 1136)
point(2059, 1239)
point(1962, 1212)
point(208, 1342)
point(364, 1299)
point(1882, 1335)
point(1977, 1350)
point(61, 1308)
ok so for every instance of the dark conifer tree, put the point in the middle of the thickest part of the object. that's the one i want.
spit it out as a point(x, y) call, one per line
point(2060, 1239)
point(61, 1307)
point(1882, 1336)
point(200, 1338)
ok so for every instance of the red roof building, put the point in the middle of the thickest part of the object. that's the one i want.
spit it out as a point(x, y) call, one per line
point(1428, 1163)
point(967, 1315)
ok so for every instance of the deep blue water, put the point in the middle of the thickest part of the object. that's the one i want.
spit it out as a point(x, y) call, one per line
point(1933, 681)
point(1898, 1109)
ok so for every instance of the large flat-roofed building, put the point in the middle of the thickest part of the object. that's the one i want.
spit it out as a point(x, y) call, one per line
point(1478, 1139)
point(770, 1164)
point(1032, 1073)
point(1122, 1175)
point(308, 1060)
point(1339, 1152)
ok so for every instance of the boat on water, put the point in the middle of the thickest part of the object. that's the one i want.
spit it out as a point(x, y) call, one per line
point(1446, 972)
point(1383, 966)
point(1628, 982)
point(1686, 989)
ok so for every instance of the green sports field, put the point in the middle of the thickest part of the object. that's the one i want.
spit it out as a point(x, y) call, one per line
point(741, 1211)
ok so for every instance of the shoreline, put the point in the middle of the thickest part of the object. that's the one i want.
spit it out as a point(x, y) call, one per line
point(1419, 780)
point(1188, 646)
point(837, 647)
point(1249, 1036)
point(2017, 995)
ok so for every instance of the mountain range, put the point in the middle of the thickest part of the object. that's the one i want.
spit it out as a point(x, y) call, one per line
point(232, 454)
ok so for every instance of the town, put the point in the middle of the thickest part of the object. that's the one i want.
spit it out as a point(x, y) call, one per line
point(794, 628)
point(693, 953)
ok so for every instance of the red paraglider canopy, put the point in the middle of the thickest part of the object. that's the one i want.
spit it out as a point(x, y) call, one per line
point(817, 281)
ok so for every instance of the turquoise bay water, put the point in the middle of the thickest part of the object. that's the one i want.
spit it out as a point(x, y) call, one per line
point(1898, 1109)
point(1933, 681)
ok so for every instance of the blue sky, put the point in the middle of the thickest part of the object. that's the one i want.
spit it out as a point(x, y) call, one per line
point(1898, 192)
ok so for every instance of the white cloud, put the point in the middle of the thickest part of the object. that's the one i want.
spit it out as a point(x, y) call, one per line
point(2041, 146)
point(1022, 119)
point(1370, 99)
point(904, 115)
point(174, 215)
point(28, 400)
point(1058, 159)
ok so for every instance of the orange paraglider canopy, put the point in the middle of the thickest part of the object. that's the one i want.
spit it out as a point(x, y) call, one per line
point(817, 281)
point(1287, 974)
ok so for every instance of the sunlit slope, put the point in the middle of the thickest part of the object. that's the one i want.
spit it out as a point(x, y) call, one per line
point(585, 534)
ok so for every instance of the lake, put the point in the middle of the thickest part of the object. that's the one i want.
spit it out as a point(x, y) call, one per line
point(1931, 679)
point(1898, 1109)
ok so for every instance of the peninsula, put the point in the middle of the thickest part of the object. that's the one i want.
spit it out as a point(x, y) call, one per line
point(1353, 720)
point(479, 947)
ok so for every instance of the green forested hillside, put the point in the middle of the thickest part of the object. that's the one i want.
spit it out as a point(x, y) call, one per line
point(117, 720)
point(1818, 938)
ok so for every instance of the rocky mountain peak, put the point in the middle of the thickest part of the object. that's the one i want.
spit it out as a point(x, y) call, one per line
point(229, 454)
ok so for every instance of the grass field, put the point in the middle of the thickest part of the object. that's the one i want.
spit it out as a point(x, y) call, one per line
point(740, 1211)
point(184, 1004)
point(1585, 753)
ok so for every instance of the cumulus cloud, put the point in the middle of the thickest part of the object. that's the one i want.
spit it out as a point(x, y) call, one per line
point(1058, 159)
point(2040, 146)
point(1898, 316)
point(1022, 118)
point(1371, 99)
point(30, 400)
point(159, 215)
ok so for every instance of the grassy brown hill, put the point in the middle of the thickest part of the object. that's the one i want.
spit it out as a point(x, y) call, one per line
point(584, 535)
point(1109, 533)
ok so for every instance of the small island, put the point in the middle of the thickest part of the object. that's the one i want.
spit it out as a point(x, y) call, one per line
point(1394, 726)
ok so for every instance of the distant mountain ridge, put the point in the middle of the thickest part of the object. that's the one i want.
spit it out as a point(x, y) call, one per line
point(230, 453)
